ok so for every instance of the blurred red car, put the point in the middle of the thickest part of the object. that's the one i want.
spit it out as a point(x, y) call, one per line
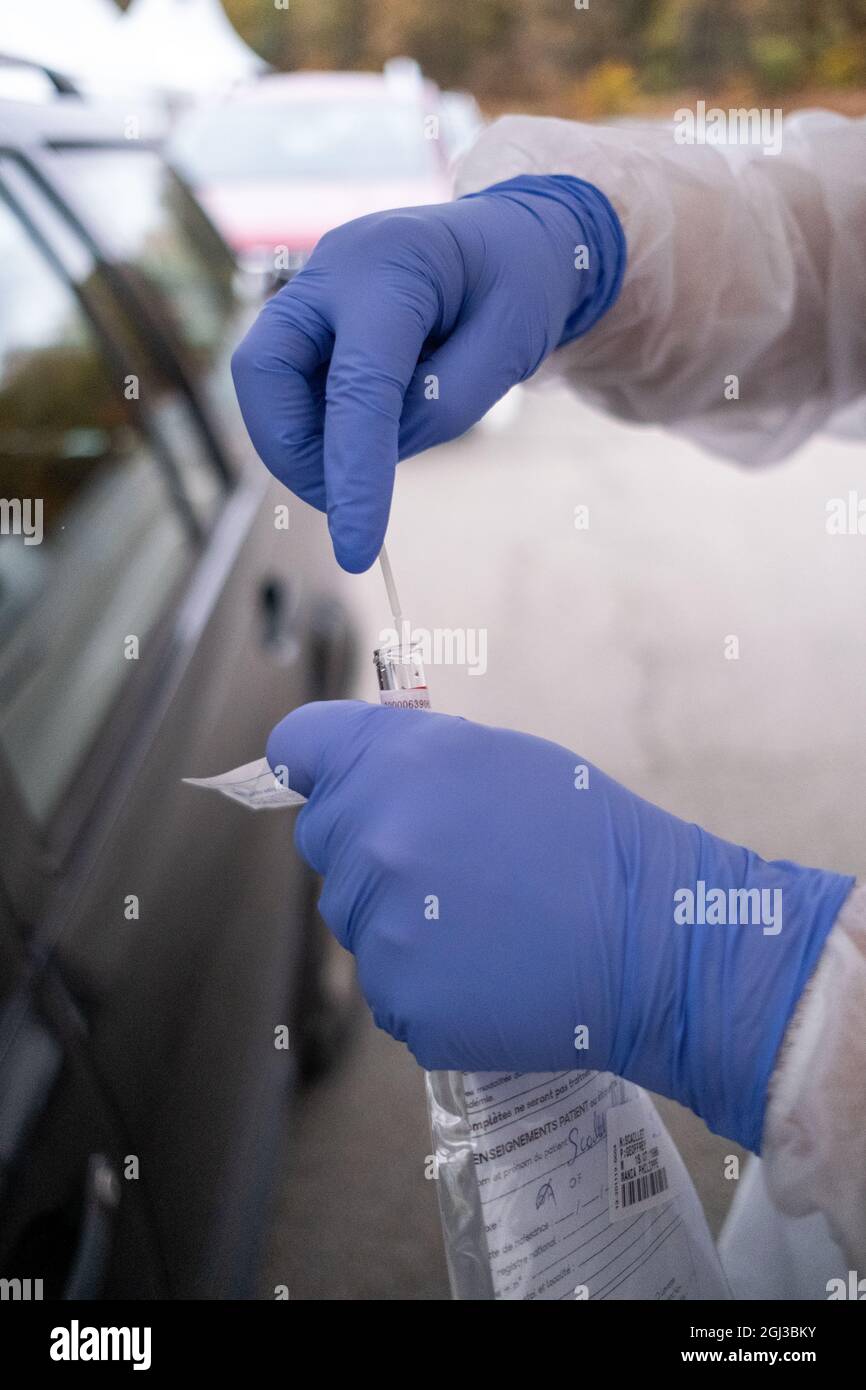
point(278, 163)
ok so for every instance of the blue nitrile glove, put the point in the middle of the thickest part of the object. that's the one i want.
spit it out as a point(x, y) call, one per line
point(405, 327)
point(496, 905)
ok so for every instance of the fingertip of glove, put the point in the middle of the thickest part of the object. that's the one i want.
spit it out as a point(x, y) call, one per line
point(353, 562)
point(354, 549)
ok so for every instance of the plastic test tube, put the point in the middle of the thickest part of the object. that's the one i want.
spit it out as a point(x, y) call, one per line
point(399, 668)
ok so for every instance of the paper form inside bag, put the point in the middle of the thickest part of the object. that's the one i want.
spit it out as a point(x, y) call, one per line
point(582, 1192)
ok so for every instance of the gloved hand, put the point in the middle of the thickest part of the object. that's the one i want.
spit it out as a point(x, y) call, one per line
point(406, 326)
point(495, 905)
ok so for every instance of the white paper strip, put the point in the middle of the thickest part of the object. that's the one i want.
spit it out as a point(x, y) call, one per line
point(253, 785)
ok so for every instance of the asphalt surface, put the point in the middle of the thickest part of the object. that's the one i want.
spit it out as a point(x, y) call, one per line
point(610, 640)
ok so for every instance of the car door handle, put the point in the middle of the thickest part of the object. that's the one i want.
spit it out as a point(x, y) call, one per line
point(90, 1261)
point(29, 1067)
point(278, 629)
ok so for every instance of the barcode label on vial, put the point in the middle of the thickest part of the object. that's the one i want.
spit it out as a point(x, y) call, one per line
point(405, 699)
point(636, 1157)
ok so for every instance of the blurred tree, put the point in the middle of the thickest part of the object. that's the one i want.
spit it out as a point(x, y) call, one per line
point(609, 90)
point(714, 41)
point(780, 63)
point(542, 53)
point(451, 37)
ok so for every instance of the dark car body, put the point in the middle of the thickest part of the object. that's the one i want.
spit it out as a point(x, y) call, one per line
point(157, 943)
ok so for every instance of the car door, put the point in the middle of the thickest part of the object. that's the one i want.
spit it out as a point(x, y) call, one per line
point(62, 1223)
point(171, 625)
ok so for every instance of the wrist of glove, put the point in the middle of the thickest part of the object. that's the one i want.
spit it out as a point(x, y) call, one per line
point(511, 907)
point(405, 328)
point(569, 247)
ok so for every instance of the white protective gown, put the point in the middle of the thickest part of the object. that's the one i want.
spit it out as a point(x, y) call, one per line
point(748, 265)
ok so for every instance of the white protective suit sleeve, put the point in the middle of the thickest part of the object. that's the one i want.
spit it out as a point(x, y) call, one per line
point(754, 265)
point(814, 1140)
point(739, 264)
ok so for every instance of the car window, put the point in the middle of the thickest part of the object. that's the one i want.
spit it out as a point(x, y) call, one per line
point(314, 140)
point(151, 375)
point(149, 222)
point(90, 542)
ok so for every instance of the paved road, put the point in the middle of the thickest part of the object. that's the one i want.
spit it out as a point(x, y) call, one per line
point(611, 640)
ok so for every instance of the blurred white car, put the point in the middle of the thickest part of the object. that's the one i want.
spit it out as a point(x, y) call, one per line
point(280, 162)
